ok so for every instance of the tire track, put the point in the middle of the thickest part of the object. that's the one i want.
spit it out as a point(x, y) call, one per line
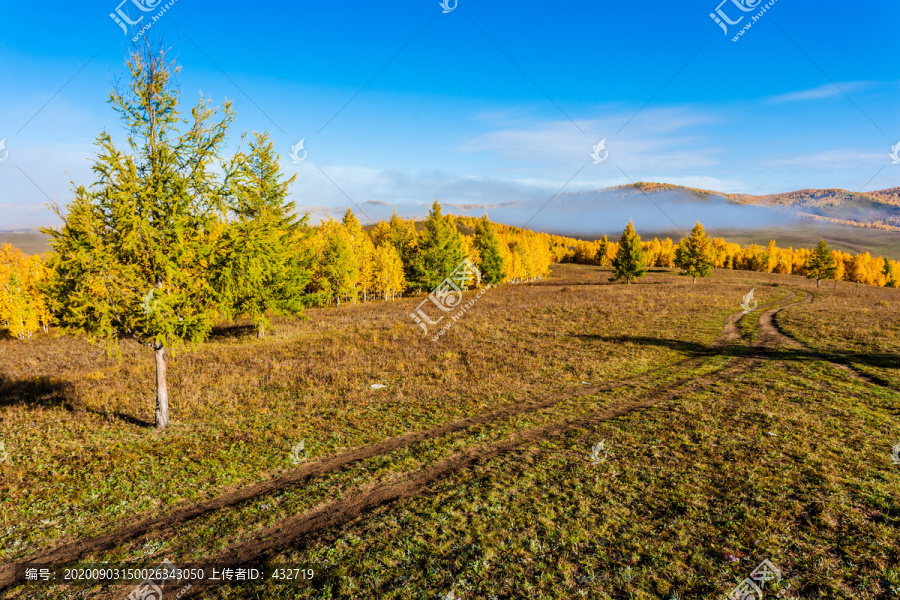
point(770, 336)
point(776, 334)
point(731, 333)
point(294, 532)
point(297, 532)
point(71, 552)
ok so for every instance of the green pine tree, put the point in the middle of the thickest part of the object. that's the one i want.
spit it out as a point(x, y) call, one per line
point(440, 250)
point(262, 266)
point(491, 266)
point(821, 264)
point(628, 263)
point(133, 257)
point(694, 254)
point(889, 279)
point(602, 251)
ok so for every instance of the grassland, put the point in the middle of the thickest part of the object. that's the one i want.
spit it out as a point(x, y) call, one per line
point(29, 242)
point(806, 234)
point(727, 442)
point(802, 234)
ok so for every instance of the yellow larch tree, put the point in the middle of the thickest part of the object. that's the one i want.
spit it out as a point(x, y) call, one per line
point(23, 308)
point(387, 271)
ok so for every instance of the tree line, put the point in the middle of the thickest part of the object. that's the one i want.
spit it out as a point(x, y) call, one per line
point(352, 263)
point(718, 253)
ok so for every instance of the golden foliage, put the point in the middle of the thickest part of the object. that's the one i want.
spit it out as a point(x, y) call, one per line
point(863, 268)
point(23, 308)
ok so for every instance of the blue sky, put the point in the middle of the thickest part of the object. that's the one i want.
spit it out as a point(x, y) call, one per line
point(492, 102)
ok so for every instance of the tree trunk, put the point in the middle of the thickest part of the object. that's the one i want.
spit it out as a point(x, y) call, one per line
point(695, 280)
point(818, 282)
point(261, 332)
point(162, 393)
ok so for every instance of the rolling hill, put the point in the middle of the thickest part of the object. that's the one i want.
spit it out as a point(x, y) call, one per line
point(849, 221)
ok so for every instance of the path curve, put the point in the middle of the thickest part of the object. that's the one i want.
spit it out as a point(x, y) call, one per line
point(294, 532)
point(69, 552)
point(779, 334)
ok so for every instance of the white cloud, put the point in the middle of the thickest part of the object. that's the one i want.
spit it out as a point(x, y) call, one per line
point(838, 159)
point(655, 138)
point(827, 90)
point(363, 185)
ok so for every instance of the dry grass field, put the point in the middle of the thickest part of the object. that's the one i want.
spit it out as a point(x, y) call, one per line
point(726, 442)
point(29, 242)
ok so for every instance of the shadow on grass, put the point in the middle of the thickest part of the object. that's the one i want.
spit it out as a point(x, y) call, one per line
point(599, 282)
point(53, 393)
point(879, 361)
point(232, 332)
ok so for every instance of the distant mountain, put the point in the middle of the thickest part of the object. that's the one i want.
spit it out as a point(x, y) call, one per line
point(471, 207)
point(871, 207)
point(851, 221)
point(664, 208)
point(890, 196)
point(879, 209)
point(848, 221)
